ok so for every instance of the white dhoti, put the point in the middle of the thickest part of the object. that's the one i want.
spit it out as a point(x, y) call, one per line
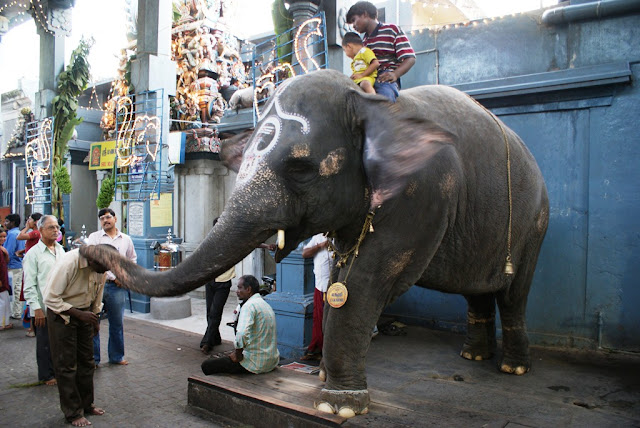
point(5, 309)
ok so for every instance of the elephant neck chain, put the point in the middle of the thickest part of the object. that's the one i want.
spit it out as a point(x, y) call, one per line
point(342, 258)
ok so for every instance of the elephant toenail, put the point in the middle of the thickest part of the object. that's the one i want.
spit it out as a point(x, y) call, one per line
point(346, 412)
point(325, 407)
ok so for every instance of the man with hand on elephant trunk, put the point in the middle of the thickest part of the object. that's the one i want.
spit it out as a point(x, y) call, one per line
point(388, 42)
point(256, 348)
point(73, 296)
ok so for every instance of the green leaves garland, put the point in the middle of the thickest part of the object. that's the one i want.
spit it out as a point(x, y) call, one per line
point(71, 83)
point(107, 192)
point(62, 179)
point(282, 22)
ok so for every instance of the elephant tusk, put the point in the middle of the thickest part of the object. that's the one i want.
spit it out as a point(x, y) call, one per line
point(280, 239)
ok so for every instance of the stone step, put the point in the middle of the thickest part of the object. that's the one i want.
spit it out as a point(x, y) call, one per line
point(275, 401)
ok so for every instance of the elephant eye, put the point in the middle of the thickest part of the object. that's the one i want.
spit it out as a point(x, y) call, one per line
point(301, 170)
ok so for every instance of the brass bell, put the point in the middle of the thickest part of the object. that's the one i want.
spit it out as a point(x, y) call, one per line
point(508, 267)
point(370, 227)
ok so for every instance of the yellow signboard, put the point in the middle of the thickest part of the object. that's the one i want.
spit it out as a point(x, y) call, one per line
point(102, 155)
point(161, 211)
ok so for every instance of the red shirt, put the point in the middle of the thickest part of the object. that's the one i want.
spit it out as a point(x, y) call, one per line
point(4, 274)
point(34, 237)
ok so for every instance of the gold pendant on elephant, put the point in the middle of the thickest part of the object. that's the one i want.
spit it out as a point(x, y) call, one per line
point(337, 295)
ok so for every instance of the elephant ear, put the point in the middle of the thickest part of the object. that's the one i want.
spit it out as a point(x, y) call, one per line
point(232, 148)
point(397, 144)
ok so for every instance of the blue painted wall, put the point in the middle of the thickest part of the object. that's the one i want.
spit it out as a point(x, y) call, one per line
point(570, 91)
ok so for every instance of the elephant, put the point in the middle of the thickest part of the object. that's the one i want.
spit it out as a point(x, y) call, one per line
point(432, 190)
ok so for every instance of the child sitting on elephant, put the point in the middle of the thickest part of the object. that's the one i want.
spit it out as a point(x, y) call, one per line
point(364, 63)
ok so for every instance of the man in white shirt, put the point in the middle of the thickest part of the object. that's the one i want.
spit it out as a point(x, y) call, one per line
point(37, 266)
point(317, 248)
point(114, 296)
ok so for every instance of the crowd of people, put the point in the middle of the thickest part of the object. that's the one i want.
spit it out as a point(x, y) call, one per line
point(58, 295)
point(61, 296)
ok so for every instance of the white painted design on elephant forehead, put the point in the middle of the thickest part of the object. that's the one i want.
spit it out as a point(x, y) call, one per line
point(268, 133)
point(293, 116)
point(287, 115)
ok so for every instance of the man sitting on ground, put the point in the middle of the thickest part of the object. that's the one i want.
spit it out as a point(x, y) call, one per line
point(256, 350)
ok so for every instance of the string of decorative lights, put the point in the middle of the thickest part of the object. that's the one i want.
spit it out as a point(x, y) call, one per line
point(305, 42)
point(13, 3)
point(94, 95)
point(469, 23)
point(133, 133)
point(44, 25)
point(38, 158)
point(432, 3)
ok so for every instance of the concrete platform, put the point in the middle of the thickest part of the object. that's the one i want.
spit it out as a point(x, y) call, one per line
point(419, 380)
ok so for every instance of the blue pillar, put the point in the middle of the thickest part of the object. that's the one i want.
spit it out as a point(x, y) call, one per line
point(293, 304)
point(143, 236)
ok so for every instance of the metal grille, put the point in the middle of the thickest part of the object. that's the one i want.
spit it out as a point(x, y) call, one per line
point(141, 165)
point(296, 51)
point(37, 156)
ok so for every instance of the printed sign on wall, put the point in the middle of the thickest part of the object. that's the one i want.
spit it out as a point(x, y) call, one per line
point(102, 155)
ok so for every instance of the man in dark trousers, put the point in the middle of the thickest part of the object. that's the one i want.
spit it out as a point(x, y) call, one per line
point(73, 296)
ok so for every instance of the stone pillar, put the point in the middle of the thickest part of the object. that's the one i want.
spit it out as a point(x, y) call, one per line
point(302, 10)
point(201, 192)
point(153, 70)
point(51, 65)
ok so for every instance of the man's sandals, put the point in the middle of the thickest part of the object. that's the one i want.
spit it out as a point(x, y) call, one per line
point(311, 356)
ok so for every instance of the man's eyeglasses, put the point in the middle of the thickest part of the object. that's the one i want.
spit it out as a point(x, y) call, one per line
point(106, 217)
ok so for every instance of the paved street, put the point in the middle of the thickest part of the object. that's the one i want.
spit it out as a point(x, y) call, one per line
point(415, 380)
point(150, 392)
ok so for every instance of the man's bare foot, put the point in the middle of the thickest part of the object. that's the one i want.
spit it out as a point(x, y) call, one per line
point(96, 411)
point(51, 382)
point(81, 422)
point(121, 363)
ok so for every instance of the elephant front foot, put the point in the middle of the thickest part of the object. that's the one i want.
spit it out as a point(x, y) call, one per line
point(480, 343)
point(343, 403)
point(515, 346)
point(514, 368)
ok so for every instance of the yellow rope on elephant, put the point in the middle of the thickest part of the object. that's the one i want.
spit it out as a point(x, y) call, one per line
point(508, 267)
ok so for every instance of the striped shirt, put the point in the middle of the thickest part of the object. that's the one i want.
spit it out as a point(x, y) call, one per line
point(390, 45)
point(256, 335)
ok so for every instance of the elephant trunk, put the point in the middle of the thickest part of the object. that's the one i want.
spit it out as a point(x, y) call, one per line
point(231, 239)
